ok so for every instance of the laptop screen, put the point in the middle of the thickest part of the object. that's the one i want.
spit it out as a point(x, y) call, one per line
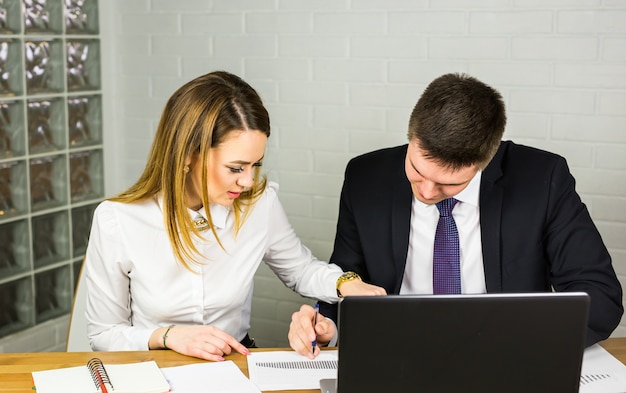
point(462, 343)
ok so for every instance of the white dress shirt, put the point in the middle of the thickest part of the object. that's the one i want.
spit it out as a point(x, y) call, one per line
point(418, 273)
point(135, 284)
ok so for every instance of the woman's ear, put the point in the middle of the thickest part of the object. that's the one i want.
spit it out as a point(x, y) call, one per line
point(192, 158)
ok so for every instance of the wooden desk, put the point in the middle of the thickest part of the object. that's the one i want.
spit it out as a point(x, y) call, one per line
point(16, 368)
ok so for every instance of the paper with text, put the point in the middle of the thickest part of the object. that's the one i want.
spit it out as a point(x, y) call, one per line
point(601, 372)
point(288, 370)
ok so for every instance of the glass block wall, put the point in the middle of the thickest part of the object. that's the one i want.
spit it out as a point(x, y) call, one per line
point(51, 159)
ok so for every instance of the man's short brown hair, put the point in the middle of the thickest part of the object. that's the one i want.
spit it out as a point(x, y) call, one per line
point(458, 121)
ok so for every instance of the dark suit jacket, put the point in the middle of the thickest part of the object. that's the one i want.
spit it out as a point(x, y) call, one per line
point(536, 232)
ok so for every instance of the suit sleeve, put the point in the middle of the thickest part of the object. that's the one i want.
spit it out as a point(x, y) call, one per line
point(347, 251)
point(373, 226)
point(579, 260)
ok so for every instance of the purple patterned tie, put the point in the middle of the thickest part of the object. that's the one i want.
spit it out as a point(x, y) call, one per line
point(446, 257)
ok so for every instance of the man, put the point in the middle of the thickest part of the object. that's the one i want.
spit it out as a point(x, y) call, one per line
point(521, 225)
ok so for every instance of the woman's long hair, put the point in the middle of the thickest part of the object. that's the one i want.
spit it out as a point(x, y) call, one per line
point(197, 117)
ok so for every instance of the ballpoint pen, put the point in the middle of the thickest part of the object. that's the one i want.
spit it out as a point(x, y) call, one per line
point(314, 343)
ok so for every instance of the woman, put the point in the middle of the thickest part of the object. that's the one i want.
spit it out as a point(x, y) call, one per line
point(171, 260)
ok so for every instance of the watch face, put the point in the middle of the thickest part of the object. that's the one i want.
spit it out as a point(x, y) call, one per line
point(345, 277)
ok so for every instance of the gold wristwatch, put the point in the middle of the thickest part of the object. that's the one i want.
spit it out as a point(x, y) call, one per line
point(347, 276)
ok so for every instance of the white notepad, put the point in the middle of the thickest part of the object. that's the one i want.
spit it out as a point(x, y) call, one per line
point(142, 377)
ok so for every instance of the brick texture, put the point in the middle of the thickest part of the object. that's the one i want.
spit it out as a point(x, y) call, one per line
point(341, 77)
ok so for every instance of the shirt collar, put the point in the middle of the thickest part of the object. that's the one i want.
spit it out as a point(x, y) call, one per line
point(219, 213)
point(471, 192)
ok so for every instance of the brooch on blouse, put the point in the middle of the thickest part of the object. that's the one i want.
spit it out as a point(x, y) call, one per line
point(200, 223)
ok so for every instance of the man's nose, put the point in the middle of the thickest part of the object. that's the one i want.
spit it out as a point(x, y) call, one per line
point(428, 189)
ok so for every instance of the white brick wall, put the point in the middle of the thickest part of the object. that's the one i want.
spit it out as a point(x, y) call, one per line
point(341, 77)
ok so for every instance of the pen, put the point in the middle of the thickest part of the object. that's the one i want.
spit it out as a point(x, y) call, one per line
point(314, 343)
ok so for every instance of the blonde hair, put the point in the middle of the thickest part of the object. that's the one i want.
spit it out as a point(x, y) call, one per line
point(197, 117)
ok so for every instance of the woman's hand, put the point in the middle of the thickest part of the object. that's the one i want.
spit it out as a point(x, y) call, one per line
point(303, 331)
point(204, 342)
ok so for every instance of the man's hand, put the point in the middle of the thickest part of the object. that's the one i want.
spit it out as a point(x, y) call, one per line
point(303, 331)
point(360, 288)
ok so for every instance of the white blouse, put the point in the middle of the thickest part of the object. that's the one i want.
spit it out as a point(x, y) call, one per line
point(135, 284)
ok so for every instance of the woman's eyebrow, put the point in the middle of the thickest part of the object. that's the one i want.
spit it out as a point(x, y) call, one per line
point(241, 162)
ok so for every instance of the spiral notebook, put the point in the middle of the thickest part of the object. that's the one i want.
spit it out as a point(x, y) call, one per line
point(141, 377)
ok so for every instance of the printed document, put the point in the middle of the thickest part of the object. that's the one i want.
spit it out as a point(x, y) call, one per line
point(288, 370)
point(601, 372)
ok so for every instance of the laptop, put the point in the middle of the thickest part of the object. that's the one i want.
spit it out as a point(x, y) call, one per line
point(530, 342)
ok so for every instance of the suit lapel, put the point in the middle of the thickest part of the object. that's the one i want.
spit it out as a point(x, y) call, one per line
point(400, 221)
point(491, 196)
